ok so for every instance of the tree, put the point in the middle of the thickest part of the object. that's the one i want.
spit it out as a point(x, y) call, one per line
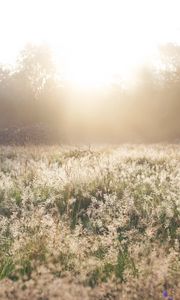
point(170, 60)
point(30, 93)
point(35, 68)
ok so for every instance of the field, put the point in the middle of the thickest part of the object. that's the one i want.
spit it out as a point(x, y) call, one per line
point(90, 222)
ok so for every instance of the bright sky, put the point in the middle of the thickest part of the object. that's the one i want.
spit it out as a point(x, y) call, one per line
point(95, 38)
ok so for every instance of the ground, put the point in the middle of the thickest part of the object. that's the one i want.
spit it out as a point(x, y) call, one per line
point(99, 222)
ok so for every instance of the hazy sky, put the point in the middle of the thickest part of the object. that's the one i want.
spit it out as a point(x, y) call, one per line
point(95, 38)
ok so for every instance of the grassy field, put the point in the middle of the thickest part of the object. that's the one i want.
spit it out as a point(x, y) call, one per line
point(90, 223)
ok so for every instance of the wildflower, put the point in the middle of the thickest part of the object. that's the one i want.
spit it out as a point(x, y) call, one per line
point(165, 293)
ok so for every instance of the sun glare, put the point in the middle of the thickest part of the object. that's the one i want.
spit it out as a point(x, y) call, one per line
point(95, 39)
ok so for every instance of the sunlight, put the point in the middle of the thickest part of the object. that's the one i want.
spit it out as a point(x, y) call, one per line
point(95, 39)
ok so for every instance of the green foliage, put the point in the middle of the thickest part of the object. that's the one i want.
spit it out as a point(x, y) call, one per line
point(66, 261)
point(168, 227)
point(76, 154)
point(16, 195)
point(124, 261)
point(6, 268)
point(4, 209)
point(100, 253)
point(94, 278)
point(34, 249)
point(57, 159)
point(25, 269)
point(42, 193)
point(76, 210)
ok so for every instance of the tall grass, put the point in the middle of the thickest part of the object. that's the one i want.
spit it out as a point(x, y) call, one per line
point(105, 216)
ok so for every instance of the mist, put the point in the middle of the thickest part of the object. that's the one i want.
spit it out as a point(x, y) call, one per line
point(34, 94)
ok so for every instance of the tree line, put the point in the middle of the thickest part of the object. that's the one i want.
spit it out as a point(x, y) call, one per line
point(32, 92)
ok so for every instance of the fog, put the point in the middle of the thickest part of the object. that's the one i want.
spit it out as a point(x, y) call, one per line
point(145, 109)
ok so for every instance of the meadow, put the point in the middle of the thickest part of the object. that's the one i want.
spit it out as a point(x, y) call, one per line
point(99, 222)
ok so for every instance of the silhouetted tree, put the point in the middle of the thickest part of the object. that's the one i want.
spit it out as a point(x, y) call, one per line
point(31, 92)
point(35, 65)
point(170, 59)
